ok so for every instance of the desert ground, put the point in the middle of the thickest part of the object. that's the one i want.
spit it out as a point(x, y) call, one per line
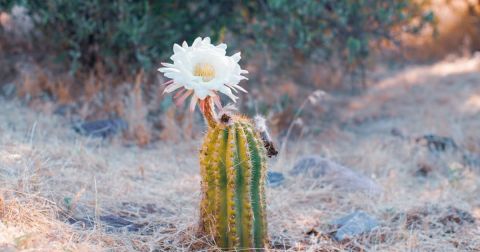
point(414, 135)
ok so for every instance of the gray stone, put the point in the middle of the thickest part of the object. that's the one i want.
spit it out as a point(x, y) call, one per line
point(65, 109)
point(9, 90)
point(275, 179)
point(333, 174)
point(354, 224)
point(437, 143)
point(101, 128)
point(471, 160)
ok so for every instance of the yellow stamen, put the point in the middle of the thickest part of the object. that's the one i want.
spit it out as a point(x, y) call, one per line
point(204, 70)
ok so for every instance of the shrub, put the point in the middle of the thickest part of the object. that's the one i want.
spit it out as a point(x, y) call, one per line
point(318, 30)
point(124, 36)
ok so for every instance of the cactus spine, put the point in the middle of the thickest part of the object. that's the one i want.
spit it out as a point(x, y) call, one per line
point(233, 170)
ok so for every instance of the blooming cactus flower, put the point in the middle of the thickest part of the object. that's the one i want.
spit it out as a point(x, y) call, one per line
point(202, 70)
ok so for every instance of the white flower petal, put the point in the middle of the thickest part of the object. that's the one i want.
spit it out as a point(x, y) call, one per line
point(239, 88)
point(236, 57)
point(218, 73)
point(168, 64)
point(202, 92)
point(197, 42)
point(222, 46)
point(168, 69)
point(177, 49)
point(228, 92)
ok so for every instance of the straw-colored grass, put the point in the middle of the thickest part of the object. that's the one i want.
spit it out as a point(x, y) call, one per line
point(49, 175)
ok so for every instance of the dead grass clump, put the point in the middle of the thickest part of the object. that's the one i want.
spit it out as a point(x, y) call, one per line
point(136, 114)
point(29, 222)
point(97, 99)
point(179, 124)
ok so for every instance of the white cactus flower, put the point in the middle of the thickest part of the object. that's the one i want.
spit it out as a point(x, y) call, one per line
point(202, 70)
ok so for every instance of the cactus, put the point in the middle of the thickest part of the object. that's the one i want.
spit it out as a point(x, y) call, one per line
point(233, 170)
point(234, 152)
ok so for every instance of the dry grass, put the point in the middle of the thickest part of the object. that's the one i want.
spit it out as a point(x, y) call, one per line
point(49, 174)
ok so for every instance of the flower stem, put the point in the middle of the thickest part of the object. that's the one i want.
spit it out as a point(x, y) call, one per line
point(208, 111)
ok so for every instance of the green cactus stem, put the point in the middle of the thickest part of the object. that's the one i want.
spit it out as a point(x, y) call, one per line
point(233, 170)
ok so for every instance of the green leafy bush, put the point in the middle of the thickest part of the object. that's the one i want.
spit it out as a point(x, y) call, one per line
point(321, 29)
point(125, 36)
point(122, 35)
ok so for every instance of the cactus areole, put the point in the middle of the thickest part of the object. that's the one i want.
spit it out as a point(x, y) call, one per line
point(233, 155)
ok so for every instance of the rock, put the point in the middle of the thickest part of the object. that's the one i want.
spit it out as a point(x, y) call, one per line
point(9, 90)
point(135, 210)
point(111, 223)
point(471, 160)
point(275, 179)
point(424, 169)
point(397, 133)
point(101, 128)
point(82, 222)
point(128, 217)
point(65, 109)
point(354, 224)
point(116, 224)
point(336, 175)
point(437, 143)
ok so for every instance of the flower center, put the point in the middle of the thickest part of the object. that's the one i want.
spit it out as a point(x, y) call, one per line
point(204, 70)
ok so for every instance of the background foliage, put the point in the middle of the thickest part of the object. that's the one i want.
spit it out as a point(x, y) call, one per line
point(125, 36)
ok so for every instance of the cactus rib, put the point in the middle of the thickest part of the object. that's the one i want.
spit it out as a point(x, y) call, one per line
point(233, 173)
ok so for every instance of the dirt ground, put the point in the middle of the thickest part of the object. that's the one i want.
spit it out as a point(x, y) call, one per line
point(64, 192)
